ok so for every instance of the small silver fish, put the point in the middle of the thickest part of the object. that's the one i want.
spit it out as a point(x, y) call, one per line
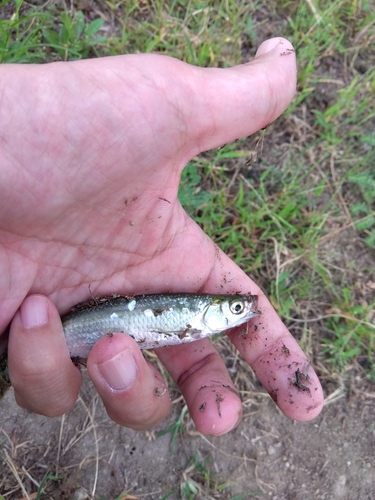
point(151, 320)
point(155, 320)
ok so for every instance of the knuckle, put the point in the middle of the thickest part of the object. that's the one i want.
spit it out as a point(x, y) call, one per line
point(36, 369)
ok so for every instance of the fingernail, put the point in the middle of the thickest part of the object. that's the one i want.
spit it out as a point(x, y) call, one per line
point(34, 312)
point(272, 43)
point(120, 371)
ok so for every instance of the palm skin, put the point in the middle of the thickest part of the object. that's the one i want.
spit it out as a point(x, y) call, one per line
point(90, 166)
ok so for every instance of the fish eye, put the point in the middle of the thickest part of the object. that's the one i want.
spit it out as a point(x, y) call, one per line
point(237, 307)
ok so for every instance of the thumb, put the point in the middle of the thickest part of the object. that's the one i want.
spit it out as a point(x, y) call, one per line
point(40, 369)
point(236, 102)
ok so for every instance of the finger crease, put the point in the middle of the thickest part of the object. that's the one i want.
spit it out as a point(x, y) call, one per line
point(193, 369)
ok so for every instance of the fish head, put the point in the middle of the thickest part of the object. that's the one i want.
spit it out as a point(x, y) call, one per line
point(228, 311)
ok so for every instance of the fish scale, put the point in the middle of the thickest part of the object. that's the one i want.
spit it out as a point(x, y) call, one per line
point(152, 320)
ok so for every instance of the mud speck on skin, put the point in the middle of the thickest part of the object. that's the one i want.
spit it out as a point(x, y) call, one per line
point(300, 380)
point(285, 350)
point(127, 202)
point(312, 407)
point(219, 399)
point(273, 394)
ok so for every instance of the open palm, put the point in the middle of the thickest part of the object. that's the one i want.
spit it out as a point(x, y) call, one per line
point(90, 167)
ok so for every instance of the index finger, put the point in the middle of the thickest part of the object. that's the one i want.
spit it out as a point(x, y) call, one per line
point(265, 343)
point(280, 364)
point(272, 352)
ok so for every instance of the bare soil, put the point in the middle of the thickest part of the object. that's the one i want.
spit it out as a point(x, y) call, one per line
point(266, 456)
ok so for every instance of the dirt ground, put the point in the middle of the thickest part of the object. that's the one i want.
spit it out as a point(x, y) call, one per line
point(266, 456)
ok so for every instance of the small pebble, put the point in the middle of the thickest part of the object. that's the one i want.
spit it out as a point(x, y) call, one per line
point(271, 450)
point(80, 494)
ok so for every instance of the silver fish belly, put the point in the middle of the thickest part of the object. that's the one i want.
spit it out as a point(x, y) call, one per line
point(155, 320)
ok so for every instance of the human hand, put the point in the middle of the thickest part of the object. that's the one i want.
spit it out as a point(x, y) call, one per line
point(90, 166)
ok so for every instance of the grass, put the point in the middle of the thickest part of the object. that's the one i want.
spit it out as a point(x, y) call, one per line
point(287, 216)
point(199, 480)
point(34, 36)
point(175, 429)
point(294, 205)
